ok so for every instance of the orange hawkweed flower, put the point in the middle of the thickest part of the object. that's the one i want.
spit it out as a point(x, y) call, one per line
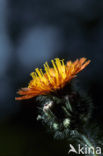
point(53, 79)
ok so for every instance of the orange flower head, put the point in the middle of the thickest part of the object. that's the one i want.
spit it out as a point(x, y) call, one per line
point(53, 78)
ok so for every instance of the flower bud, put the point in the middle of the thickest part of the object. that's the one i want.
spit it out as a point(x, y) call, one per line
point(66, 122)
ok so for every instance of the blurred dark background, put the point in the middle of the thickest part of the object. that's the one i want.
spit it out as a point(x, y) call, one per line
point(35, 31)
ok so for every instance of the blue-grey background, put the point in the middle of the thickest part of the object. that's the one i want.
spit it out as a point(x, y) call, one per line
point(35, 31)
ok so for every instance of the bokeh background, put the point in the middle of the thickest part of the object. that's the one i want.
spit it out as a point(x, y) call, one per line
point(35, 31)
